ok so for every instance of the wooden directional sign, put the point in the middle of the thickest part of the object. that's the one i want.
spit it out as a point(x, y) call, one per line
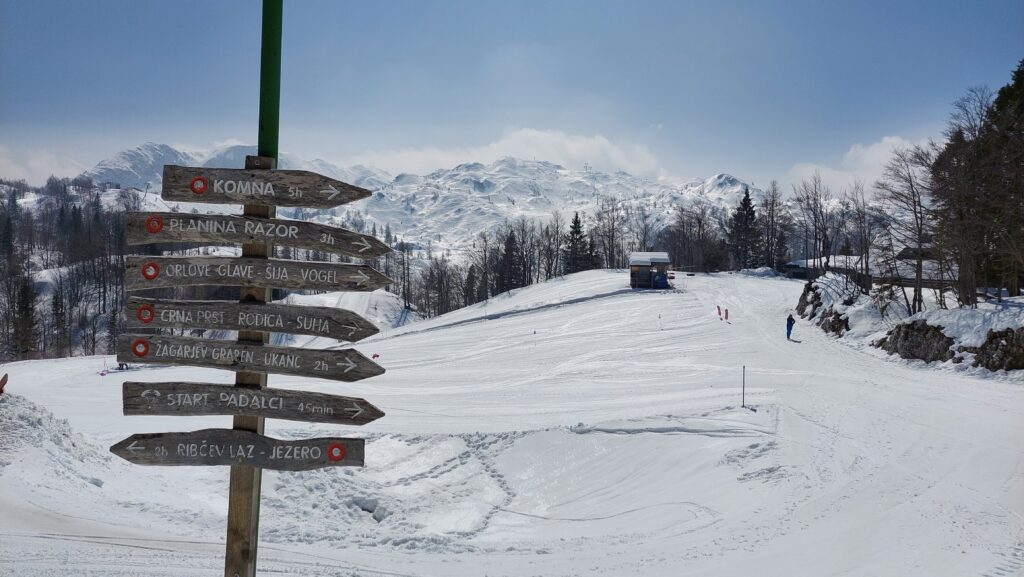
point(153, 227)
point(233, 316)
point(268, 187)
point(234, 447)
point(210, 399)
point(338, 365)
point(145, 272)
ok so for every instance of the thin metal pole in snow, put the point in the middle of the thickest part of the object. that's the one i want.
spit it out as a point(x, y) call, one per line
point(744, 402)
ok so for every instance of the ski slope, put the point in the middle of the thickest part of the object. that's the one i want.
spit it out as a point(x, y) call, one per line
point(571, 428)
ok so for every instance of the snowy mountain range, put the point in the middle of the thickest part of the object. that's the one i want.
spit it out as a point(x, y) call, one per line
point(448, 208)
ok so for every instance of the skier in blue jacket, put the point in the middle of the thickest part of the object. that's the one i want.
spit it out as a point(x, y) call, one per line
point(789, 326)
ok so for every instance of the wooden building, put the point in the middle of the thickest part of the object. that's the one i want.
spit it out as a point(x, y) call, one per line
point(649, 270)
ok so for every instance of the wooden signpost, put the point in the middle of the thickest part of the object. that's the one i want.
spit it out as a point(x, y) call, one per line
point(274, 188)
point(210, 399)
point(228, 447)
point(335, 364)
point(260, 188)
point(152, 227)
point(146, 272)
point(327, 322)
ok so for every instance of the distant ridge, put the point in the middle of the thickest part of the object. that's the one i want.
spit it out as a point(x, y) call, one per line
point(446, 210)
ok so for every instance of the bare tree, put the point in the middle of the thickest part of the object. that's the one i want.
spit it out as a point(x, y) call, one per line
point(771, 223)
point(903, 191)
point(862, 225)
point(642, 225)
point(818, 216)
point(608, 231)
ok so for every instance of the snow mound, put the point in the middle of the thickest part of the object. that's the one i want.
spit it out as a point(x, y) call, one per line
point(970, 327)
point(25, 426)
point(50, 474)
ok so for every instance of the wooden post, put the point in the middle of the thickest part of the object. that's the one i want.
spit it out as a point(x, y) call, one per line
point(244, 496)
point(244, 487)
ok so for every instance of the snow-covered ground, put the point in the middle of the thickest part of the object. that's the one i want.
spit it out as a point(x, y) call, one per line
point(572, 428)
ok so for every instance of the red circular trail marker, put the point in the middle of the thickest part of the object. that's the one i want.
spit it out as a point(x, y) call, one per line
point(198, 185)
point(150, 270)
point(335, 452)
point(145, 313)
point(140, 348)
point(154, 224)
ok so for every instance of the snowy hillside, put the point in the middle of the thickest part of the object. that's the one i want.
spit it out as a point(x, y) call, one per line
point(568, 428)
point(447, 208)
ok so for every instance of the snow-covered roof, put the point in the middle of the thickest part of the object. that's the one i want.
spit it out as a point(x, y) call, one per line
point(648, 258)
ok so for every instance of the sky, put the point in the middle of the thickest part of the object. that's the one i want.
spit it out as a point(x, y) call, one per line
point(760, 90)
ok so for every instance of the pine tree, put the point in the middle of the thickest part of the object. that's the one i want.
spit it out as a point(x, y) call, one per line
point(25, 317)
point(576, 253)
point(469, 289)
point(7, 236)
point(744, 234)
point(510, 267)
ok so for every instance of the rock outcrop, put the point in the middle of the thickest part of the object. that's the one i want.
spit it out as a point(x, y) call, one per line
point(918, 340)
point(809, 299)
point(829, 320)
point(1002, 350)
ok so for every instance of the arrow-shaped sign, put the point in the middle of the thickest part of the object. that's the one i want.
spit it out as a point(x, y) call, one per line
point(268, 187)
point(239, 447)
point(236, 356)
point(328, 322)
point(146, 272)
point(209, 399)
point(215, 229)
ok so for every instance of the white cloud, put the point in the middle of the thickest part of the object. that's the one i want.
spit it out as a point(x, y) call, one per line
point(864, 162)
point(36, 165)
point(569, 150)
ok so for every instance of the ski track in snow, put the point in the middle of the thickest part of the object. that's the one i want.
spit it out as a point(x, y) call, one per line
point(571, 428)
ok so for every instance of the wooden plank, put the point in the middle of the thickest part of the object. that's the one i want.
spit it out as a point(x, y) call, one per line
point(265, 187)
point(176, 398)
point(245, 483)
point(157, 227)
point(146, 272)
point(247, 316)
point(339, 365)
point(212, 447)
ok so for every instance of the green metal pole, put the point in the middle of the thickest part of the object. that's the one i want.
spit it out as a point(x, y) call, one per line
point(270, 78)
point(245, 482)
